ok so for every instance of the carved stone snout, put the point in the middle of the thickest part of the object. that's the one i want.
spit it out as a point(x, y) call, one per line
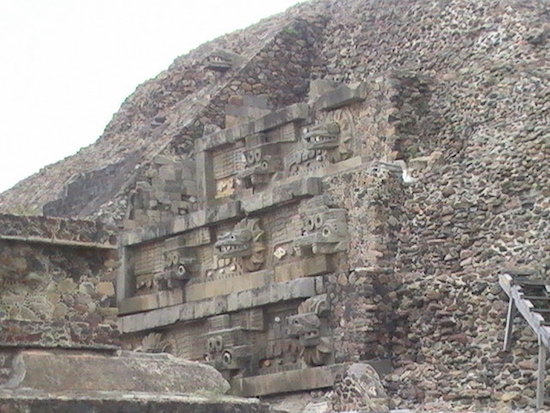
point(324, 232)
point(324, 136)
point(237, 243)
point(245, 242)
point(176, 269)
point(224, 357)
point(306, 328)
point(262, 162)
point(220, 60)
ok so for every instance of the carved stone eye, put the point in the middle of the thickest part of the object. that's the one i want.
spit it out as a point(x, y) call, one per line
point(174, 258)
point(249, 158)
point(319, 220)
point(326, 232)
point(265, 165)
point(257, 155)
point(227, 357)
point(219, 343)
point(309, 224)
point(181, 270)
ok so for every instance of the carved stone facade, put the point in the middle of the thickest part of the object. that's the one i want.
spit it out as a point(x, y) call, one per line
point(241, 281)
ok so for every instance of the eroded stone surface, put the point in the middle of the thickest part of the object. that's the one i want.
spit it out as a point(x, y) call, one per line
point(58, 371)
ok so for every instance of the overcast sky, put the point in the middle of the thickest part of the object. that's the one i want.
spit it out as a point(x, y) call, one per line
point(67, 65)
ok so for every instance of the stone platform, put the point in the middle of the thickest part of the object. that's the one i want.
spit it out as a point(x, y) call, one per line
point(32, 401)
point(86, 371)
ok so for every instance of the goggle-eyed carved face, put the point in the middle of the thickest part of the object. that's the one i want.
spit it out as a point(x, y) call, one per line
point(234, 359)
point(177, 262)
point(315, 222)
point(260, 164)
point(214, 345)
point(261, 160)
point(333, 231)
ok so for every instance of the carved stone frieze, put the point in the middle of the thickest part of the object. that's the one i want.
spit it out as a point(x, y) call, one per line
point(244, 243)
point(323, 143)
point(323, 136)
point(261, 163)
point(260, 242)
point(309, 327)
point(324, 228)
point(177, 269)
point(220, 60)
point(153, 343)
point(226, 351)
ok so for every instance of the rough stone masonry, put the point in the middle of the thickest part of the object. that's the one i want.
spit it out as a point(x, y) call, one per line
point(346, 189)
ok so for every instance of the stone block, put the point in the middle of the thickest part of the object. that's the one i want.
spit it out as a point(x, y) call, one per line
point(294, 190)
point(316, 265)
point(57, 334)
point(296, 112)
point(150, 301)
point(126, 371)
point(285, 382)
point(105, 288)
point(33, 401)
point(226, 286)
point(342, 96)
point(301, 380)
point(267, 294)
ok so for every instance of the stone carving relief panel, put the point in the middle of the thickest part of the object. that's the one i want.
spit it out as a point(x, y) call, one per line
point(266, 340)
point(262, 163)
point(323, 228)
point(284, 232)
point(245, 243)
point(168, 264)
point(226, 164)
point(310, 327)
point(328, 140)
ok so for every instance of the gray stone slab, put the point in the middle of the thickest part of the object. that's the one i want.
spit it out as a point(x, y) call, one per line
point(33, 401)
point(124, 371)
point(292, 113)
point(257, 297)
point(342, 96)
point(150, 301)
point(193, 220)
point(283, 193)
point(297, 380)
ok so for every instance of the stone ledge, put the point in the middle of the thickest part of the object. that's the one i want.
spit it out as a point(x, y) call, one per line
point(297, 380)
point(268, 294)
point(59, 231)
point(62, 370)
point(298, 111)
point(193, 220)
point(289, 191)
point(284, 193)
point(342, 96)
point(57, 334)
point(150, 301)
point(117, 402)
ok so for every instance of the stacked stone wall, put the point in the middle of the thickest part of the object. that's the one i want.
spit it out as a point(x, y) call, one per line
point(54, 270)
